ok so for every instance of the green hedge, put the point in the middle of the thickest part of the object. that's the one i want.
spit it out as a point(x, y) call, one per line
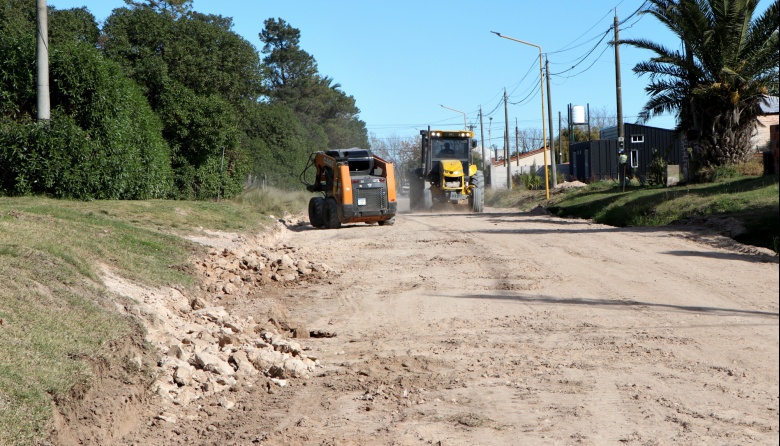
point(103, 140)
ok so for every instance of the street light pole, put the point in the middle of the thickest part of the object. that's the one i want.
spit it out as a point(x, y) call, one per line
point(465, 126)
point(541, 90)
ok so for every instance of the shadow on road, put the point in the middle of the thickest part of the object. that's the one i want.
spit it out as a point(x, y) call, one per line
point(619, 303)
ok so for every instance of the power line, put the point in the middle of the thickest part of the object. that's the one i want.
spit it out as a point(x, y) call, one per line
point(531, 94)
point(564, 49)
point(583, 58)
point(528, 97)
point(603, 36)
point(530, 68)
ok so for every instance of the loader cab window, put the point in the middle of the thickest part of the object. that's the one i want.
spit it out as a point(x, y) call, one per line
point(358, 160)
point(450, 149)
point(359, 165)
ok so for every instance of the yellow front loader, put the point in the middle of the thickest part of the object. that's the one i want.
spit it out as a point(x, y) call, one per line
point(447, 173)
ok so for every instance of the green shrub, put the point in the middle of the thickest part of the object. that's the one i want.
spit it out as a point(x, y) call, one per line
point(726, 172)
point(198, 129)
point(713, 174)
point(754, 166)
point(103, 141)
point(531, 180)
point(656, 171)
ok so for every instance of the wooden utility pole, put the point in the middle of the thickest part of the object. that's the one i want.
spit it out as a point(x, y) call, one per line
point(506, 141)
point(618, 87)
point(482, 137)
point(619, 96)
point(42, 54)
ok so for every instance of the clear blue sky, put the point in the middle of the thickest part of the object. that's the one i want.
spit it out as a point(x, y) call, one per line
point(401, 60)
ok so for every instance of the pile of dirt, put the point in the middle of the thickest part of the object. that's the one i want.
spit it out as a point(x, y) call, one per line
point(198, 348)
point(246, 271)
point(207, 350)
point(570, 184)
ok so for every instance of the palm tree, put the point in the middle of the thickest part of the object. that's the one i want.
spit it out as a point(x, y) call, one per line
point(716, 84)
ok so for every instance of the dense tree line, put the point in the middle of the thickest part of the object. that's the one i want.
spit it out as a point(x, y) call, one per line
point(162, 102)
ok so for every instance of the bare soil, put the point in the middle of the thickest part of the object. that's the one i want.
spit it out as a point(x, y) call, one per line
point(500, 328)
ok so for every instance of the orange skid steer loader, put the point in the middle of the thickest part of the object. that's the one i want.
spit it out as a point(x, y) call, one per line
point(356, 186)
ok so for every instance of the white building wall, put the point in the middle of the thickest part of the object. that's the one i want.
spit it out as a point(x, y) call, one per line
point(498, 172)
point(760, 140)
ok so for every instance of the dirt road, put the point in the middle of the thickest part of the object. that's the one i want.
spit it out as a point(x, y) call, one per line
point(511, 328)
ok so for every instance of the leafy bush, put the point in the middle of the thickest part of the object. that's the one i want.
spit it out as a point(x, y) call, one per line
point(277, 144)
point(103, 140)
point(725, 172)
point(198, 129)
point(656, 171)
point(17, 82)
point(532, 181)
point(754, 166)
point(714, 174)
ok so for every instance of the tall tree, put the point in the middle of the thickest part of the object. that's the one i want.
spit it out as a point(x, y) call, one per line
point(288, 69)
point(601, 119)
point(291, 78)
point(716, 84)
point(172, 8)
point(196, 72)
point(76, 24)
point(197, 50)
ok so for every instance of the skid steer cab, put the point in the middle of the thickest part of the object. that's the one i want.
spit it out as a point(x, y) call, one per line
point(356, 186)
point(447, 172)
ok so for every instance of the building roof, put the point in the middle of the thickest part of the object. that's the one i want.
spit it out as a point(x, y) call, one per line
point(770, 105)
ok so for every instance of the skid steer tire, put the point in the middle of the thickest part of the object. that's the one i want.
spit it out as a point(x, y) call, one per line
point(332, 220)
point(317, 212)
point(388, 222)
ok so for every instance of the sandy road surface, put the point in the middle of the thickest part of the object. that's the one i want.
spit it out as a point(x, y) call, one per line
point(514, 328)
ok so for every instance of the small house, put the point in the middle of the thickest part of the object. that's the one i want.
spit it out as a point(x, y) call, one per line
point(599, 159)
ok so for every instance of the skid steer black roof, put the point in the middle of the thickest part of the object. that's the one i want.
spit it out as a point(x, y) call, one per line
point(359, 160)
point(344, 154)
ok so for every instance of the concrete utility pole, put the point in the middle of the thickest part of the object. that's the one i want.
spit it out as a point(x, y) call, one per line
point(490, 138)
point(549, 118)
point(517, 142)
point(42, 53)
point(506, 141)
